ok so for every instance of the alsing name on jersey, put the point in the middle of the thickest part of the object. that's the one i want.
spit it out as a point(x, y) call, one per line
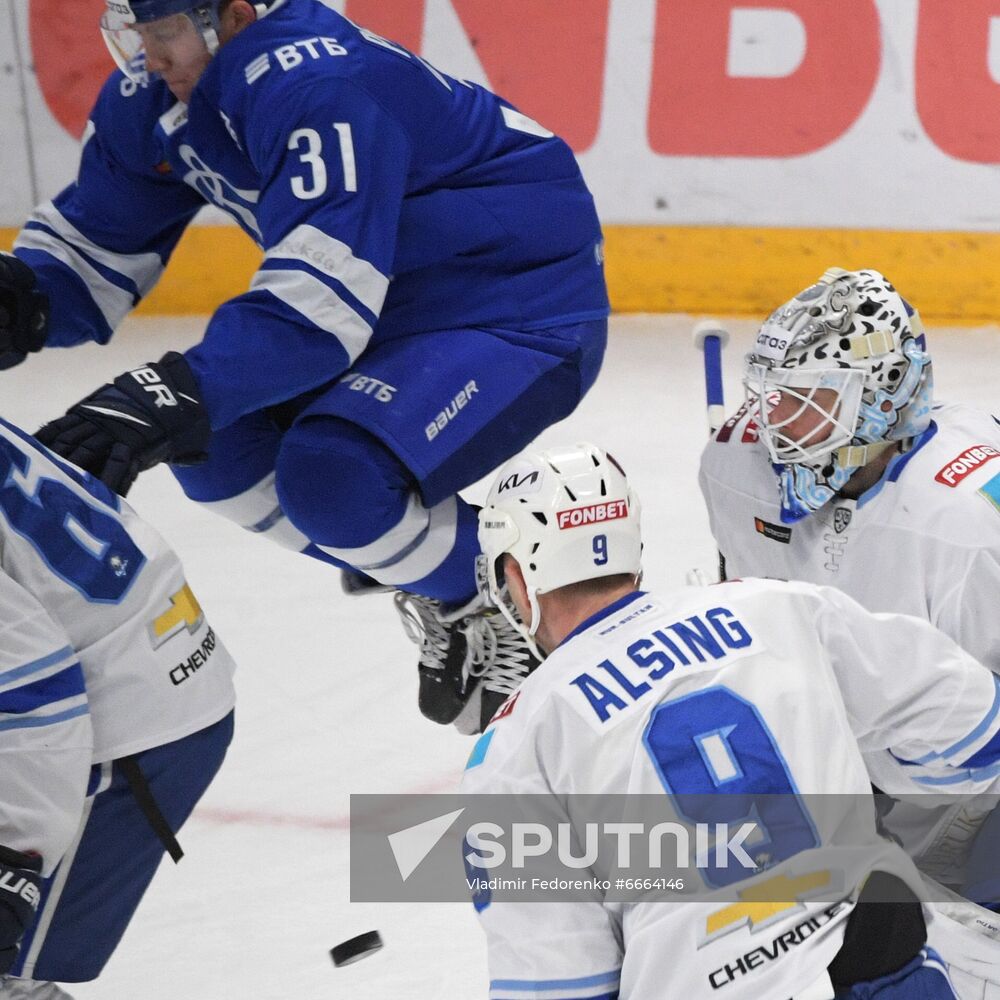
point(609, 690)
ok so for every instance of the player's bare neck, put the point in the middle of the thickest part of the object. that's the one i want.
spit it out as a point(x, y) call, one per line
point(563, 615)
point(867, 476)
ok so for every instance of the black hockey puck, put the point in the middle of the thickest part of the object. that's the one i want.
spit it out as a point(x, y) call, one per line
point(356, 948)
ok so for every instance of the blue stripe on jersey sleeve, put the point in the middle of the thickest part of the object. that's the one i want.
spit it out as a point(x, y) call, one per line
point(550, 996)
point(988, 720)
point(26, 669)
point(113, 277)
point(57, 687)
point(960, 777)
point(583, 988)
point(975, 761)
point(35, 721)
point(590, 996)
point(985, 755)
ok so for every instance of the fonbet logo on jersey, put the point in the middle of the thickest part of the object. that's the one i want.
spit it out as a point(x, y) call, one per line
point(965, 464)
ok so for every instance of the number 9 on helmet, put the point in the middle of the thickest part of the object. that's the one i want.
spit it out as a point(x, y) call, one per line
point(566, 515)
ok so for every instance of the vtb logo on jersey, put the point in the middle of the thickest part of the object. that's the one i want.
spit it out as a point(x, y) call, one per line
point(184, 613)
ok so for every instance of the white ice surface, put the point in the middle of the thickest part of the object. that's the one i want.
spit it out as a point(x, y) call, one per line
point(327, 690)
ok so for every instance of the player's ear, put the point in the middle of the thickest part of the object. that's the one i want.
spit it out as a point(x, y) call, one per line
point(516, 587)
point(234, 17)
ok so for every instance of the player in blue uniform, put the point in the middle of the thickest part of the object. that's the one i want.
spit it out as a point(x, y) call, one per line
point(431, 298)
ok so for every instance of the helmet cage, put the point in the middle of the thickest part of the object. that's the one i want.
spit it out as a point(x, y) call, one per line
point(838, 415)
point(125, 43)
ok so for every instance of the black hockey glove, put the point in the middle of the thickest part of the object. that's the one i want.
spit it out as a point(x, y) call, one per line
point(24, 312)
point(149, 415)
point(19, 896)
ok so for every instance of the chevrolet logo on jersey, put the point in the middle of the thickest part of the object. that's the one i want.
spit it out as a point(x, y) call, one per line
point(184, 612)
point(760, 904)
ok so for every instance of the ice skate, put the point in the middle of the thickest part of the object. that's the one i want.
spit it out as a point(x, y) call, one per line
point(471, 659)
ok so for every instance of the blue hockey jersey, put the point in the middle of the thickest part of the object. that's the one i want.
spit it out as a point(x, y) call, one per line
point(389, 199)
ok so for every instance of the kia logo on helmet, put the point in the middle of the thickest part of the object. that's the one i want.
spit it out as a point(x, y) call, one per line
point(516, 482)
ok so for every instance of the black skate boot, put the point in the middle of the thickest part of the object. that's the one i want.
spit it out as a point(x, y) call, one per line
point(471, 659)
point(449, 671)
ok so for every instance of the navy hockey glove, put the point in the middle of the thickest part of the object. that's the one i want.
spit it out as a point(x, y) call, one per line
point(24, 312)
point(149, 415)
point(19, 896)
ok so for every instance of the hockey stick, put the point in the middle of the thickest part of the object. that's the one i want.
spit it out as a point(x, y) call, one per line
point(710, 336)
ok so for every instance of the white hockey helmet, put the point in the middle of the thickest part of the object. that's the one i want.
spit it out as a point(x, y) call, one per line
point(566, 515)
point(850, 355)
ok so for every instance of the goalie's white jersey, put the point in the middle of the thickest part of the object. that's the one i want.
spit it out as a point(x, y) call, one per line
point(923, 541)
point(748, 687)
point(154, 669)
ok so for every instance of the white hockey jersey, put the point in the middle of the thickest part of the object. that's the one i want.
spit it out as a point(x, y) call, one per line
point(155, 671)
point(45, 734)
point(747, 687)
point(924, 541)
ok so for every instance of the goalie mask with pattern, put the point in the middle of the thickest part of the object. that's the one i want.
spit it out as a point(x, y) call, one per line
point(837, 374)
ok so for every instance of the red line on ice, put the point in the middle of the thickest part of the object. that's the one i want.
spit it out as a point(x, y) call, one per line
point(262, 817)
